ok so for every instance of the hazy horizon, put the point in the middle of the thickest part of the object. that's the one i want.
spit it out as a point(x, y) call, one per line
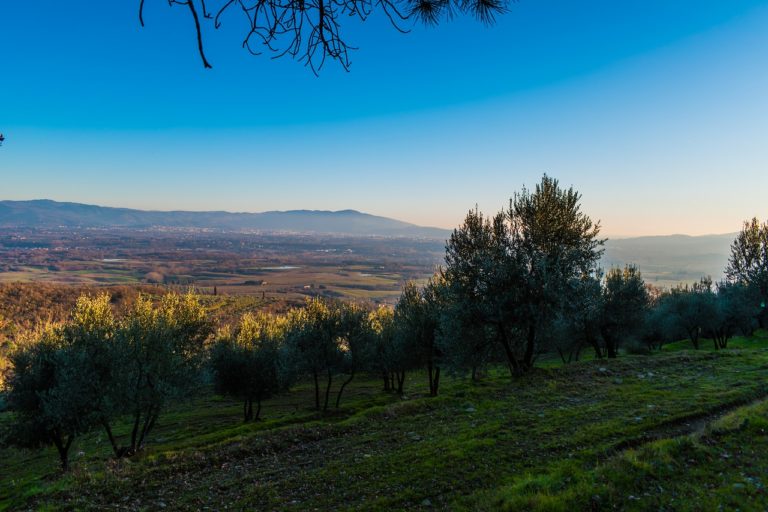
point(335, 210)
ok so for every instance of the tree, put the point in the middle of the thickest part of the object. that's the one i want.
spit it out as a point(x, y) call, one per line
point(476, 290)
point(417, 317)
point(557, 246)
point(748, 262)
point(313, 341)
point(246, 365)
point(311, 30)
point(386, 357)
point(624, 303)
point(516, 274)
point(357, 339)
point(735, 310)
point(65, 378)
point(578, 326)
point(44, 392)
point(90, 335)
point(691, 308)
point(160, 348)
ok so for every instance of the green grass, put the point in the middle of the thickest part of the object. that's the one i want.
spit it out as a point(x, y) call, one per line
point(759, 339)
point(606, 434)
point(724, 466)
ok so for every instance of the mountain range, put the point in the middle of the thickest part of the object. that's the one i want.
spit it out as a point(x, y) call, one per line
point(664, 260)
point(44, 213)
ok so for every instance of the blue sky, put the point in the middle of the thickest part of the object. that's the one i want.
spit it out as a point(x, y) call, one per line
point(656, 111)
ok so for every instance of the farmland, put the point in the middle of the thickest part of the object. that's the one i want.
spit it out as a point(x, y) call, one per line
point(284, 267)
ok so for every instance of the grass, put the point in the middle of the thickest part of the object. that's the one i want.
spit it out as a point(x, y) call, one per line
point(721, 467)
point(636, 433)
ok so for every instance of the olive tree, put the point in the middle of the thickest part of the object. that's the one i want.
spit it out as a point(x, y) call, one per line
point(623, 309)
point(161, 347)
point(417, 324)
point(690, 309)
point(735, 309)
point(477, 292)
point(247, 364)
point(748, 263)
point(386, 358)
point(44, 394)
point(63, 377)
point(578, 325)
point(515, 274)
point(314, 343)
point(356, 343)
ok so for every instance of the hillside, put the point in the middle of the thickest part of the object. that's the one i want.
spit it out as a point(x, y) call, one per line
point(52, 214)
point(668, 260)
point(679, 430)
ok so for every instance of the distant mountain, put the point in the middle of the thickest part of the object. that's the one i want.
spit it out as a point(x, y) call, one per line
point(668, 260)
point(45, 213)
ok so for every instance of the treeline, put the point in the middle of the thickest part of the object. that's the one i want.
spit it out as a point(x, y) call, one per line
point(515, 286)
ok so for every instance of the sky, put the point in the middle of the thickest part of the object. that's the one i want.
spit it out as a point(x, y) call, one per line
point(656, 111)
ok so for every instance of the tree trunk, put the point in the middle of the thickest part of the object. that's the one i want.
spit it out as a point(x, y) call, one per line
point(63, 449)
point(134, 432)
point(328, 390)
point(429, 376)
point(578, 351)
point(400, 382)
point(149, 422)
point(343, 385)
point(317, 390)
point(257, 416)
point(111, 437)
point(599, 352)
point(248, 409)
point(514, 366)
point(530, 347)
point(386, 382)
point(693, 335)
point(559, 351)
point(437, 380)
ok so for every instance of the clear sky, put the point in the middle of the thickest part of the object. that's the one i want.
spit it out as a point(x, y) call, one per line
point(656, 110)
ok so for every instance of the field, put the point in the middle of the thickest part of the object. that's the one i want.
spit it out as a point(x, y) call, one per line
point(267, 266)
point(677, 430)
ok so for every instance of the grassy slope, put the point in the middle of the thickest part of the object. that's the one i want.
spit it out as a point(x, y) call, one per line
point(576, 437)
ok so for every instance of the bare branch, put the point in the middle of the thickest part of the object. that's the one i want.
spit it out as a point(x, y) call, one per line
point(310, 31)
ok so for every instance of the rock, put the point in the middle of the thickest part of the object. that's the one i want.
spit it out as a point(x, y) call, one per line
point(426, 502)
point(602, 369)
point(470, 409)
point(618, 380)
point(738, 486)
point(161, 504)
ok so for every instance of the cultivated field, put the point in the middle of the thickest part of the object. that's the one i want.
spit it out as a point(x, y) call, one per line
point(269, 267)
